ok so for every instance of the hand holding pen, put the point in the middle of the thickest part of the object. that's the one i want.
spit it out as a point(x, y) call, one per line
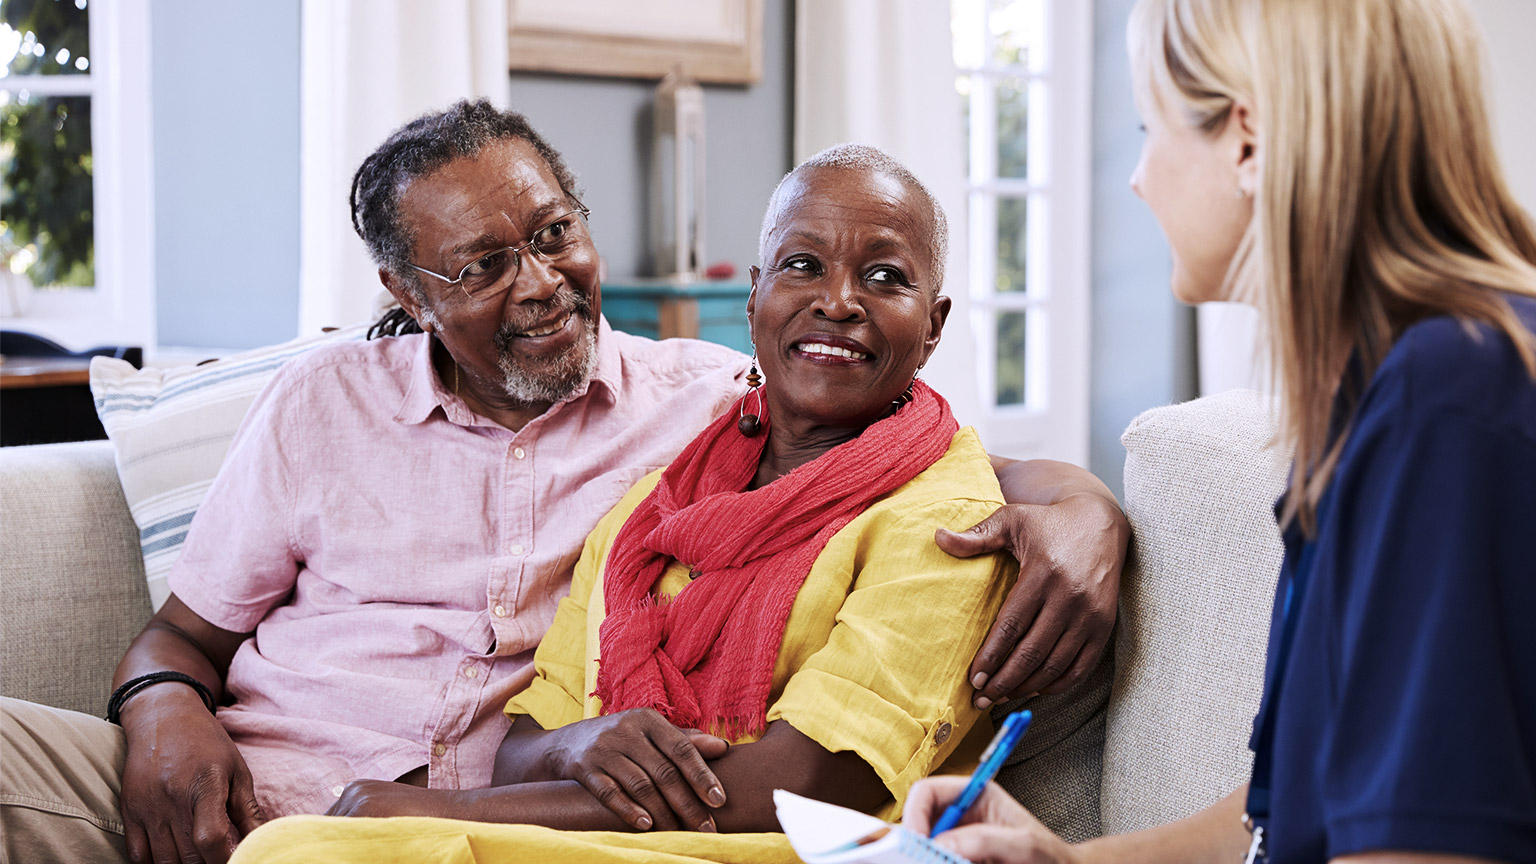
point(991, 762)
point(994, 828)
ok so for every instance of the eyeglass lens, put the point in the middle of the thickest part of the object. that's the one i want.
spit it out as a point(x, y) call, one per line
point(500, 267)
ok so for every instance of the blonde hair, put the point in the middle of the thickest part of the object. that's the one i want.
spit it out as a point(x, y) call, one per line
point(1380, 200)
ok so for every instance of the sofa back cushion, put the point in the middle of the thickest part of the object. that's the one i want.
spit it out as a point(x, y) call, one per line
point(171, 429)
point(72, 592)
point(1201, 480)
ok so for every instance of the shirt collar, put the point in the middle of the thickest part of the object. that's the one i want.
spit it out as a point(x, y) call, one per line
point(609, 368)
point(425, 391)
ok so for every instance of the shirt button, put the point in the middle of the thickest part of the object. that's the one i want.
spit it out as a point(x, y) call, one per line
point(470, 672)
point(517, 548)
point(501, 611)
point(519, 452)
point(941, 734)
point(338, 789)
point(439, 749)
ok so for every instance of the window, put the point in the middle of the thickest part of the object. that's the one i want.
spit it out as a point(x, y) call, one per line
point(75, 222)
point(1023, 75)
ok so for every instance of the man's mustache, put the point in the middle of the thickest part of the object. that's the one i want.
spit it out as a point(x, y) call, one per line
point(535, 312)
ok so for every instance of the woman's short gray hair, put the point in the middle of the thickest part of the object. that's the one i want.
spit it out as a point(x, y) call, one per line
point(862, 157)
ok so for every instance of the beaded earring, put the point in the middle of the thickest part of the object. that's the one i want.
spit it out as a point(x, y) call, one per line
point(906, 395)
point(750, 424)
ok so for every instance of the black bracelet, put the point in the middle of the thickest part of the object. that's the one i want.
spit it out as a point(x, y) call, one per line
point(131, 688)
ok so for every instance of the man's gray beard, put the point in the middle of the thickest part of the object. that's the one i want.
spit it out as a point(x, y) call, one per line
point(555, 383)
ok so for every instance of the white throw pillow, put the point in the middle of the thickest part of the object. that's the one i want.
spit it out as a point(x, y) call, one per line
point(171, 428)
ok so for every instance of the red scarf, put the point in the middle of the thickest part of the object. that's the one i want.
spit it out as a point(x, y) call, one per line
point(706, 658)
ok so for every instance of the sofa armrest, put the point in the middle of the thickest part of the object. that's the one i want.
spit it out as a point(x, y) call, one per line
point(72, 591)
point(1201, 480)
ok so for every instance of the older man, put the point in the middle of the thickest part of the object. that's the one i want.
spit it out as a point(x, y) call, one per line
point(367, 580)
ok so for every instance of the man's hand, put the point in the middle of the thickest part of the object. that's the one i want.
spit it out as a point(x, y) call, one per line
point(187, 795)
point(1056, 621)
point(644, 769)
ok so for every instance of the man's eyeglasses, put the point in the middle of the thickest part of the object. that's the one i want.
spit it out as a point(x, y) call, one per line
point(496, 271)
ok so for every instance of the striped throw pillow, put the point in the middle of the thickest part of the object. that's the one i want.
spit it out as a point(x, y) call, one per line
point(171, 428)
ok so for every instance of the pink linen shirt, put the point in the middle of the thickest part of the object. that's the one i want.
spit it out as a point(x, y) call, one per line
point(399, 557)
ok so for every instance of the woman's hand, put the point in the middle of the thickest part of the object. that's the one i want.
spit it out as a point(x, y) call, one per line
point(644, 769)
point(1055, 622)
point(996, 830)
point(384, 798)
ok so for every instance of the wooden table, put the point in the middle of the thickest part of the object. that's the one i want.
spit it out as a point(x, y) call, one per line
point(45, 400)
point(16, 372)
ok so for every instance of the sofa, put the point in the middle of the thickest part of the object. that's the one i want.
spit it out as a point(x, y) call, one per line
point(1200, 482)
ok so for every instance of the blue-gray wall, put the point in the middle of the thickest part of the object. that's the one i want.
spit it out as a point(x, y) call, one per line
point(226, 142)
point(1142, 353)
point(603, 127)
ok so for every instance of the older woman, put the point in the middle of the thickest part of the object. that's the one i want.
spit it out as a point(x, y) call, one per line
point(776, 586)
point(1331, 163)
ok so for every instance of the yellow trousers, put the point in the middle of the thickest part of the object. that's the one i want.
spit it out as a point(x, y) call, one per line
point(418, 840)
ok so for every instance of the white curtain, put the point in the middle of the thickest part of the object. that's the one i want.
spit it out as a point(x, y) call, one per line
point(369, 66)
point(882, 73)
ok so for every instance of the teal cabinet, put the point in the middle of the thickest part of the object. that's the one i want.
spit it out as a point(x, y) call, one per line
point(664, 308)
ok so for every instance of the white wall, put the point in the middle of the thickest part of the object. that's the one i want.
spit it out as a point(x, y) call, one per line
point(1508, 25)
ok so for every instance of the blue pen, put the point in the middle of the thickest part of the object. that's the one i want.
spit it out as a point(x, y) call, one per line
point(991, 761)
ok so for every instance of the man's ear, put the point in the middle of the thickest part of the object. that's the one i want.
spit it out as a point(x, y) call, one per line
point(405, 297)
point(1243, 128)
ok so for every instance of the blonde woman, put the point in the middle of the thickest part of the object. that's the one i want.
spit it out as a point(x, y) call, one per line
point(1329, 161)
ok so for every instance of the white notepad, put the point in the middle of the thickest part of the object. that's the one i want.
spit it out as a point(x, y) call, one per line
point(823, 833)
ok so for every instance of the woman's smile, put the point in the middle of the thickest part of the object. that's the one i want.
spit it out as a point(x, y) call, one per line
point(827, 350)
point(845, 307)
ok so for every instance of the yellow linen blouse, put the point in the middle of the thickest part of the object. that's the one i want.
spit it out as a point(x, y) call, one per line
point(873, 660)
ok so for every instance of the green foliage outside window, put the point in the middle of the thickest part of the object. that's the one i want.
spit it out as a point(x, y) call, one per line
point(45, 145)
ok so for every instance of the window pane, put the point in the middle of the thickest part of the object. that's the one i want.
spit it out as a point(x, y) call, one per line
point(1010, 358)
point(1011, 22)
point(967, 32)
point(45, 202)
point(1013, 128)
point(1011, 240)
point(44, 37)
point(963, 87)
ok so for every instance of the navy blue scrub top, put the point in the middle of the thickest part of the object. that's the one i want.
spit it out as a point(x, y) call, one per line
point(1406, 715)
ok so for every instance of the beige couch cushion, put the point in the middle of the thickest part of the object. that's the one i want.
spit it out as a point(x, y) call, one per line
point(1200, 486)
point(72, 590)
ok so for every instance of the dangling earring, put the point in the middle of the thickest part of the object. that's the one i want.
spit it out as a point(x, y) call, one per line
point(455, 377)
point(750, 424)
point(906, 395)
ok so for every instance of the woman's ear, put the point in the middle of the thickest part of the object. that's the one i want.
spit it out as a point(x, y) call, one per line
point(1243, 130)
point(754, 272)
point(938, 313)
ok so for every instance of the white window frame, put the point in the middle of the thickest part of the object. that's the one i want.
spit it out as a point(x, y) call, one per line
point(120, 308)
point(1053, 421)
